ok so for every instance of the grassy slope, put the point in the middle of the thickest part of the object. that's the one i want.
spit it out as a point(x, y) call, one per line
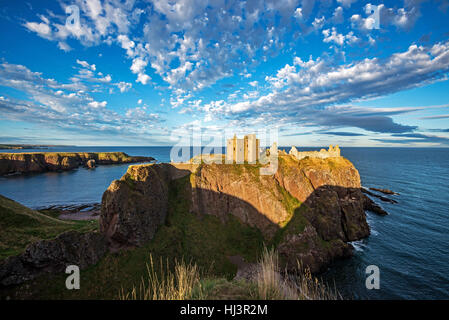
point(21, 226)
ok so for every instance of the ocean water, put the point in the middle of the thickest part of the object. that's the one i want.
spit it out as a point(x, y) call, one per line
point(410, 245)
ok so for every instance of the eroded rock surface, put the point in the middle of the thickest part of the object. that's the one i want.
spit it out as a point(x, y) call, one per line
point(53, 256)
point(134, 206)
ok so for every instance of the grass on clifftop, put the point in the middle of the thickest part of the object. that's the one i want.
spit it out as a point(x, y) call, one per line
point(21, 226)
point(187, 283)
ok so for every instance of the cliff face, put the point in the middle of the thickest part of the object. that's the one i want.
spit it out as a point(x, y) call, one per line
point(53, 256)
point(59, 161)
point(134, 206)
point(239, 190)
point(309, 209)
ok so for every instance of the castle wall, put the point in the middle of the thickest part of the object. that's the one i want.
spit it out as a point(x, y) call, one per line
point(240, 151)
point(274, 149)
point(230, 150)
point(322, 154)
point(252, 149)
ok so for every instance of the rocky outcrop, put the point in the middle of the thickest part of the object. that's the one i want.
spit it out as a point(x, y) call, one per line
point(382, 198)
point(385, 191)
point(310, 209)
point(134, 206)
point(306, 249)
point(53, 256)
point(370, 205)
point(17, 163)
point(90, 164)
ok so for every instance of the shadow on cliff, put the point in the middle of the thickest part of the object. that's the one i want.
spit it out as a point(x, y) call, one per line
point(316, 232)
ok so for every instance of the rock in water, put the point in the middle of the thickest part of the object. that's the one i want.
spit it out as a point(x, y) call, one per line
point(91, 164)
point(385, 191)
point(370, 205)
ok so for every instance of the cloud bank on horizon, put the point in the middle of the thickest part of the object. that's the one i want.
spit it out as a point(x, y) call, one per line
point(130, 72)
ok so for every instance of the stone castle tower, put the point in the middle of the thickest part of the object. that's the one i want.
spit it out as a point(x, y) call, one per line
point(242, 150)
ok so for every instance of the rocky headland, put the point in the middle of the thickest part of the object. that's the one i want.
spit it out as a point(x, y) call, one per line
point(309, 211)
point(37, 162)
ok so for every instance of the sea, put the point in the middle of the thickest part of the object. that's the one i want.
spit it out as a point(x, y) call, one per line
point(410, 246)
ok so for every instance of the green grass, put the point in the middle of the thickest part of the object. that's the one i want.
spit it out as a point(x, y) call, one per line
point(223, 289)
point(21, 226)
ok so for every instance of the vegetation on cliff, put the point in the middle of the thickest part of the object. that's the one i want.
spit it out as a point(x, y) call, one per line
point(186, 282)
point(21, 226)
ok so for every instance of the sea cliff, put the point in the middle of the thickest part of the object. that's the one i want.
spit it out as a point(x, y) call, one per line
point(309, 210)
point(37, 162)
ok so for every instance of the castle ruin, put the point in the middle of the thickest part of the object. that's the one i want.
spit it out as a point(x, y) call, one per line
point(242, 150)
point(322, 154)
point(247, 150)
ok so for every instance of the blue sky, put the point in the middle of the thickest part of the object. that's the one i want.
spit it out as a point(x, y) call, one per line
point(146, 72)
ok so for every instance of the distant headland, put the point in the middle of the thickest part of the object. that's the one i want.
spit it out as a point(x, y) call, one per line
point(28, 146)
point(37, 162)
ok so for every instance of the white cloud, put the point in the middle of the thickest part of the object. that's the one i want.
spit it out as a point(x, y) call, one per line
point(251, 95)
point(85, 64)
point(124, 86)
point(64, 46)
point(173, 41)
point(138, 65)
point(96, 104)
point(301, 90)
point(143, 78)
point(340, 39)
point(346, 3)
point(298, 13)
point(337, 16)
point(318, 23)
point(106, 78)
point(126, 44)
point(68, 106)
point(253, 83)
point(42, 29)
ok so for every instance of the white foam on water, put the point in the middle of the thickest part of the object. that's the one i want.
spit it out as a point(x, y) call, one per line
point(371, 223)
point(358, 245)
